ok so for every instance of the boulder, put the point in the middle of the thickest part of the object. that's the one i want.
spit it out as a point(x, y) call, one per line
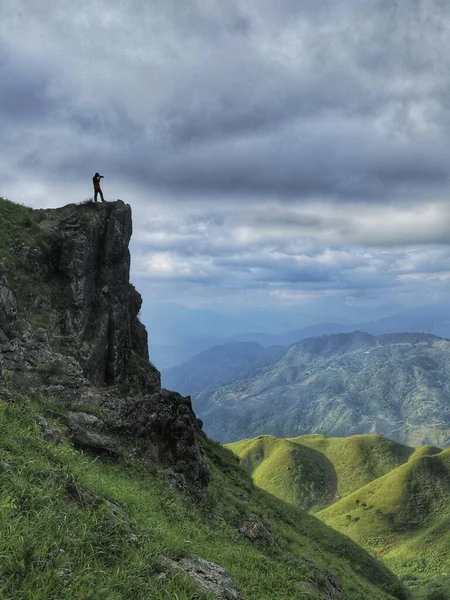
point(211, 578)
point(253, 529)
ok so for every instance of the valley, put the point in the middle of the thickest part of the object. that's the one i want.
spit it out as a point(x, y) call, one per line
point(389, 498)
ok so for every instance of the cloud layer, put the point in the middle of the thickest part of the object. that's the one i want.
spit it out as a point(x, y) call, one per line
point(269, 150)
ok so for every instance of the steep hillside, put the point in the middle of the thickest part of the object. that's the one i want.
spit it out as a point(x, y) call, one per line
point(74, 527)
point(389, 498)
point(397, 385)
point(219, 365)
point(404, 517)
point(293, 472)
point(313, 471)
point(359, 459)
point(108, 488)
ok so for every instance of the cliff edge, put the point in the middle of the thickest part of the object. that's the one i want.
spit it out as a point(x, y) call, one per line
point(69, 330)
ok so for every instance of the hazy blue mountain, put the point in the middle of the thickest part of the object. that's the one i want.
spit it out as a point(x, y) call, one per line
point(287, 338)
point(397, 385)
point(170, 323)
point(276, 319)
point(177, 333)
point(426, 319)
point(219, 365)
point(166, 357)
point(435, 320)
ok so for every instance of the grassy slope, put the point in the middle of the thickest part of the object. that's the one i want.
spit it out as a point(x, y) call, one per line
point(358, 459)
point(394, 498)
point(312, 471)
point(52, 546)
point(406, 519)
point(295, 473)
point(19, 226)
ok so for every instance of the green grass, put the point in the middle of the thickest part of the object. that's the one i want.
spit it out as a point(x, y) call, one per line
point(292, 472)
point(60, 540)
point(18, 228)
point(313, 471)
point(405, 520)
point(358, 459)
point(390, 499)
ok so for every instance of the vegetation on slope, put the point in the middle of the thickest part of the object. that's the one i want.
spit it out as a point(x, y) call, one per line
point(19, 229)
point(357, 459)
point(404, 517)
point(74, 527)
point(313, 471)
point(292, 472)
point(391, 499)
point(397, 385)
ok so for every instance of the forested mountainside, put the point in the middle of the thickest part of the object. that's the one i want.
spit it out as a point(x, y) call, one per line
point(397, 385)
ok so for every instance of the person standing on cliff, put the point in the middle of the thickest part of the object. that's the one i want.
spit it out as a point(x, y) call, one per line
point(97, 188)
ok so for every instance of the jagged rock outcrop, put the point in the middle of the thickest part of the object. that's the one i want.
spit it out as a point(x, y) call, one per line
point(90, 347)
point(85, 265)
point(210, 578)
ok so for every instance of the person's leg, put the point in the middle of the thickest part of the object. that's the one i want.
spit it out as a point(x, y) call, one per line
point(101, 195)
point(95, 195)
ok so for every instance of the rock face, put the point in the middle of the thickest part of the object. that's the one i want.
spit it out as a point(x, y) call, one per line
point(87, 263)
point(91, 347)
point(211, 578)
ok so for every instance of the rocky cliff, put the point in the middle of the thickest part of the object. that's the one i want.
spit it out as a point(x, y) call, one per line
point(69, 330)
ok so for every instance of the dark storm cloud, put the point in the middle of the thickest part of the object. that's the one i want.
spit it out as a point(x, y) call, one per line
point(299, 101)
point(25, 95)
point(283, 145)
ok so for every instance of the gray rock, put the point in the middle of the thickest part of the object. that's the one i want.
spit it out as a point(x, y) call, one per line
point(211, 578)
point(50, 433)
point(167, 423)
point(327, 586)
point(93, 442)
point(8, 305)
point(253, 529)
point(94, 350)
point(4, 466)
point(95, 303)
point(83, 418)
point(81, 437)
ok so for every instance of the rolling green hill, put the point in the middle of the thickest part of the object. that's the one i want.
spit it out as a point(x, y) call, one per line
point(397, 385)
point(404, 516)
point(293, 472)
point(391, 499)
point(313, 471)
point(358, 459)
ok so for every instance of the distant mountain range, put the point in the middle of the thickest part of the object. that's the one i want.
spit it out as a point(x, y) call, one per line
point(397, 385)
point(389, 498)
point(220, 365)
point(178, 333)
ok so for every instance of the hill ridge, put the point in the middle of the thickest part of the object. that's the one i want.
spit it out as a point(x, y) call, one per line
point(397, 385)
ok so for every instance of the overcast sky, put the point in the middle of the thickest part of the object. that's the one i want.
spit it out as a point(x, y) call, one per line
point(273, 151)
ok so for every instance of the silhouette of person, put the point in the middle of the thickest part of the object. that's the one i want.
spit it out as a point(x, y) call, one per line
point(97, 188)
